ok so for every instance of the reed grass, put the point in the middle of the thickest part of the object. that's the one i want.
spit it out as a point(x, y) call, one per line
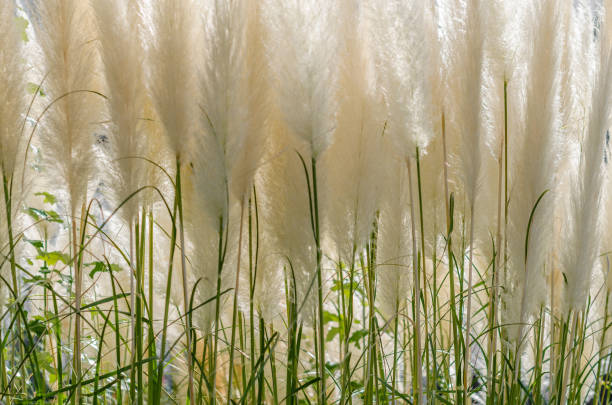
point(296, 203)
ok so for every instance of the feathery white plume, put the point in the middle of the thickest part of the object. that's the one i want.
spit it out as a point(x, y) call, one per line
point(395, 249)
point(12, 88)
point(172, 80)
point(233, 102)
point(123, 58)
point(585, 235)
point(400, 32)
point(353, 164)
point(466, 70)
point(303, 53)
point(533, 165)
point(65, 33)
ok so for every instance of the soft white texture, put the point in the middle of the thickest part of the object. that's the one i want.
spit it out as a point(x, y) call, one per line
point(66, 36)
point(13, 104)
point(352, 187)
point(123, 57)
point(533, 166)
point(172, 75)
point(401, 54)
point(303, 55)
point(589, 191)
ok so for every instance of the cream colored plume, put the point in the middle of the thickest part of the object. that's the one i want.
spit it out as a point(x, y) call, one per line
point(65, 32)
point(172, 75)
point(353, 164)
point(395, 249)
point(233, 101)
point(589, 191)
point(465, 84)
point(123, 60)
point(13, 104)
point(533, 167)
point(284, 215)
point(401, 60)
point(303, 52)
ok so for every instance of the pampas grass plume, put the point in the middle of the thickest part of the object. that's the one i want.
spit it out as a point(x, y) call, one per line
point(172, 75)
point(303, 55)
point(65, 32)
point(581, 254)
point(12, 88)
point(123, 57)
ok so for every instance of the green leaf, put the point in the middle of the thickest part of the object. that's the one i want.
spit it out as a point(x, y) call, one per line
point(51, 258)
point(33, 212)
point(329, 317)
point(38, 244)
point(45, 361)
point(331, 334)
point(38, 214)
point(49, 198)
point(38, 325)
point(357, 336)
point(101, 267)
point(34, 280)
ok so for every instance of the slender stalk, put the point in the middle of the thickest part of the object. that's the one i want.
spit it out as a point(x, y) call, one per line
point(184, 274)
point(602, 342)
point(7, 186)
point(418, 372)
point(77, 320)
point(566, 362)
point(395, 342)
point(162, 360)
point(466, 353)
point(215, 349)
point(319, 270)
point(132, 224)
point(492, 344)
point(451, 271)
point(151, 305)
point(430, 384)
point(235, 306)
point(252, 279)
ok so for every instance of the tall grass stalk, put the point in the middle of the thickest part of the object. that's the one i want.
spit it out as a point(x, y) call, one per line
point(235, 306)
point(417, 380)
point(184, 279)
